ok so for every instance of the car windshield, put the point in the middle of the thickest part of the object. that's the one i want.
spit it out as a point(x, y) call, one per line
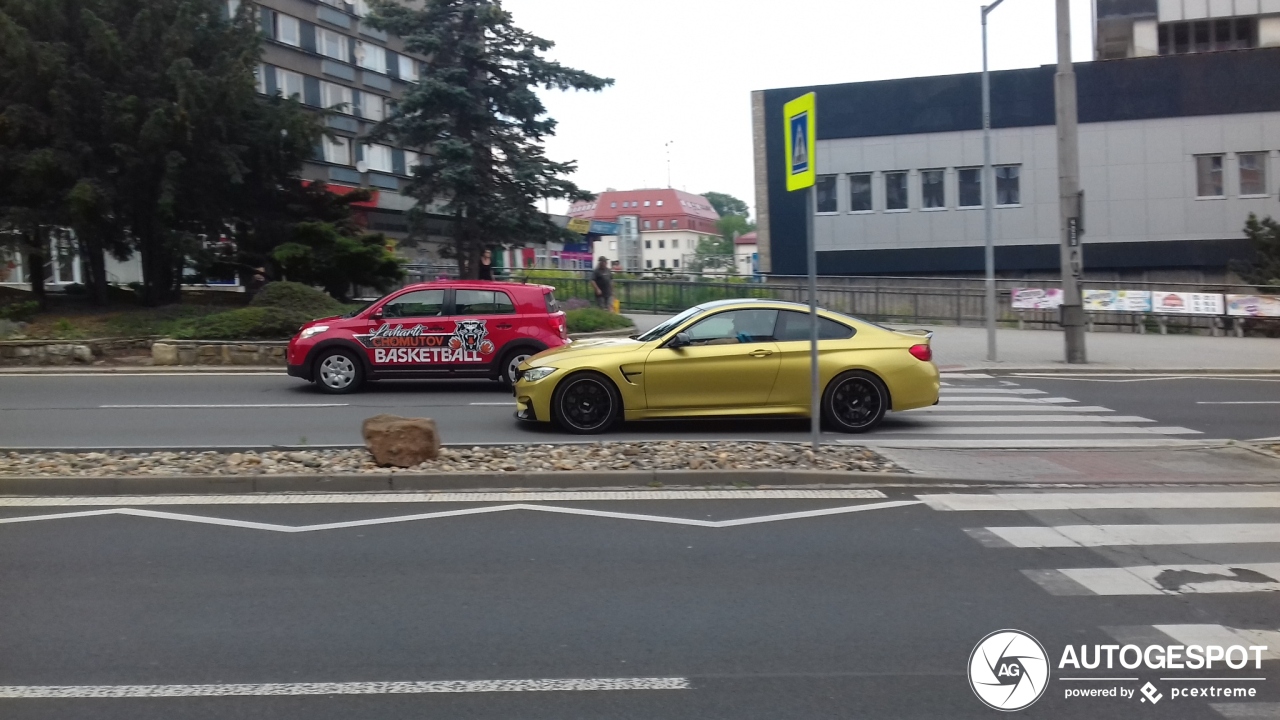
point(669, 325)
point(358, 309)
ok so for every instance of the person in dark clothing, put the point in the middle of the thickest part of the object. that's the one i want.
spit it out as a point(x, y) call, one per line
point(602, 279)
point(486, 265)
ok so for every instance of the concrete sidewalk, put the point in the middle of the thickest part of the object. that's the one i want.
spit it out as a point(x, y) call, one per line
point(965, 348)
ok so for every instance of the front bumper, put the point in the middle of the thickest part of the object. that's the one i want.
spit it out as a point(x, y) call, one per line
point(300, 371)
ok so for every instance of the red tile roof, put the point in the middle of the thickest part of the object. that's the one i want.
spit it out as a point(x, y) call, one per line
point(674, 204)
point(746, 239)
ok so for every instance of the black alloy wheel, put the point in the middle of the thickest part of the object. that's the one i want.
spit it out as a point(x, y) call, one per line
point(855, 402)
point(586, 404)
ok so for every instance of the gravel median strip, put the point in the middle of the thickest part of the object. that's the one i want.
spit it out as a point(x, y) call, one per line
point(596, 457)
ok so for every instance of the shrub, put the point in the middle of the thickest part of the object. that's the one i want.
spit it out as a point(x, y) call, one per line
point(297, 298)
point(584, 320)
point(24, 311)
point(250, 323)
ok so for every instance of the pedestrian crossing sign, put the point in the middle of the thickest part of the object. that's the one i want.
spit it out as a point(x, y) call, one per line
point(801, 124)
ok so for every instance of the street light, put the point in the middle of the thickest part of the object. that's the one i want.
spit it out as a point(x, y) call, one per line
point(988, 187)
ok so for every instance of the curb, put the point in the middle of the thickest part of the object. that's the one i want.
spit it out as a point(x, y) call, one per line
point(1104, 370)
point(143, 370)
point(520, 481)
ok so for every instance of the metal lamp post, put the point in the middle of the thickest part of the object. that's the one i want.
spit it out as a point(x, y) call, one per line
point(988, 189)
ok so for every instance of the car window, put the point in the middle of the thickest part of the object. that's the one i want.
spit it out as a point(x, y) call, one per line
point(735, 326)
point(553, 306)
point(670, 324)
point(482, 302)
point(420, 303)
point(795, 326)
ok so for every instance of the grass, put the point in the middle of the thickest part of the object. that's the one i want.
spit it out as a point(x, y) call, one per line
point(586, 320)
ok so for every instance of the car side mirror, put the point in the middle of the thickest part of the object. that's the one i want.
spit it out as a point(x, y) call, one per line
point(679, 341)
point(376, 315)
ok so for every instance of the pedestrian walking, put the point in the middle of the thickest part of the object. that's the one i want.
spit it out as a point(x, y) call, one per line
point(602, 280)
point(486, 266)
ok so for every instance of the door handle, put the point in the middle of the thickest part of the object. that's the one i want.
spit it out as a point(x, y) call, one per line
point(504, 326)
point(761, 353)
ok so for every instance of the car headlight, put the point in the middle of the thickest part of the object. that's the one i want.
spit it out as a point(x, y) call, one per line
point(538, 373)
point(313, 331)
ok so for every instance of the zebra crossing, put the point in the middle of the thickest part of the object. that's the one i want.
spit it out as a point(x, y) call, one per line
point(1228, 542)
point(981, 411)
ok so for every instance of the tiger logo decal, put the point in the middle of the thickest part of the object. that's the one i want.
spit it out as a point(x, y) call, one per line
point(471, 335)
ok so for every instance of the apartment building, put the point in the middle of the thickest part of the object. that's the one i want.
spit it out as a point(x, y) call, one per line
point(659, 226)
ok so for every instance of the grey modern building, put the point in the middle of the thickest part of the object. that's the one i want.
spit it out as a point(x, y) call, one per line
point(1175, 151)
point(325, 55)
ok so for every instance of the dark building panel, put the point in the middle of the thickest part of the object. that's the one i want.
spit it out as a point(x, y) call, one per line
point(1104, 9)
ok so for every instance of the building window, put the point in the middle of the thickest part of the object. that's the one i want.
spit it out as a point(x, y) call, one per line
point(1209, 176)
point(659, 203)
point(613, 204)
point(372, 107)
point(646, 224)
point(1224, 33)
point(648, 263)
point(675, 224)
point(408, 68)
point(932, 189)
point(675, 242)
point(288, 31)
point(825, 189)
point(1253, 173)
point(362, 8)
point(289, 83)
point(260, 77)
point(662, 244)
point(411, 161)
point(371, 57)
point(648, 244)
point(613, 244)
point(378, 157)
point(337, 150)
point(332, 96)
point(646, 203)
point(860, 192)
point(675, 263)
point(662, 224)
point(970, 181)
point(332, 44)
point(662, 263)
point(1008, 191)
point(895, 191)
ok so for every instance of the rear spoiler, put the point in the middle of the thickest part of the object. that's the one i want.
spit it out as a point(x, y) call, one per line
point(918, 332)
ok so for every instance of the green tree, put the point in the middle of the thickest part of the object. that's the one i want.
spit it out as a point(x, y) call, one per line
point(477, 113)
point(713, 254)
point(726, 204)
point(1264, 268)
point(320, 254)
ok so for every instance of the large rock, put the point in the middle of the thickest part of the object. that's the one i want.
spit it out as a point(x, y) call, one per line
point(164, 354)
point(400, 441)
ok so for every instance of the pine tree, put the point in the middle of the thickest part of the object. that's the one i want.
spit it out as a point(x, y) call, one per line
point(476, 114)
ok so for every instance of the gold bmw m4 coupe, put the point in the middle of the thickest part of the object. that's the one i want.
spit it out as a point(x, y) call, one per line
point(731, 358)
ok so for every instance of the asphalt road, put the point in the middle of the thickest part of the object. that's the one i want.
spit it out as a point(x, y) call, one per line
point(101, 411)
point(864, 614)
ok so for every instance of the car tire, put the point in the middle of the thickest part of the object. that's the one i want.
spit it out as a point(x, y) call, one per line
point(586, 403)
point(339, 372)
point(855, 402)
point(510, 360)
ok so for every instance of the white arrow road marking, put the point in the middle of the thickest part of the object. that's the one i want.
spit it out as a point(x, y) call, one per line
point(991, 391)
point(1005, 399)
point(438, 497)
point(458, 513)
point(347, 688)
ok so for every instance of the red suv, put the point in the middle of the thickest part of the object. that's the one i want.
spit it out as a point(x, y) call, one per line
point(449, 328)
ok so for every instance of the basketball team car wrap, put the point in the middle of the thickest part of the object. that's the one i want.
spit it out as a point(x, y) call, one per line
point(396, 344)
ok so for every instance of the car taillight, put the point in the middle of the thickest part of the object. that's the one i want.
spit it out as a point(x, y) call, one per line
point(923, 353)
point(562, 326)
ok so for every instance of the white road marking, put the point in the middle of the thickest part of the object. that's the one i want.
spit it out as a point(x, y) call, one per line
point(957, 502)
point(1039, 418)
point(1003, 399)
point(1221, 635)
point(954, 407)
point(1022, 444)
point(219, 406)
point(1142, 579)
point(344, 688)
point(459, 513)
point(494, 404)
point(1248, 711)
point(1115, 535)
point(992, 391)
point(969, 376)
point(1238, 402)
point(438, 497)
point(1028, 430)
point(1148, 377)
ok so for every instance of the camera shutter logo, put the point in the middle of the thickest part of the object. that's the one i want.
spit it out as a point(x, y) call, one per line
point(1008, 670)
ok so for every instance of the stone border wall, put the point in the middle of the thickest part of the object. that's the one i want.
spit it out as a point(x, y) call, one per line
point(211, 352)
point(66, 352)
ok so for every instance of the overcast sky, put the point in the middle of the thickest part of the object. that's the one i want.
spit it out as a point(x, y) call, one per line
point(684, 70)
